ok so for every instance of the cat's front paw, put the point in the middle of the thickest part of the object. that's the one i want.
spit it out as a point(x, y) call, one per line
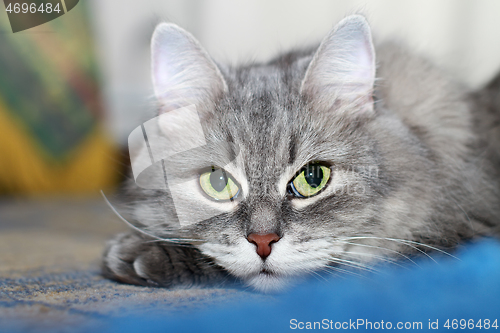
point(131, 258)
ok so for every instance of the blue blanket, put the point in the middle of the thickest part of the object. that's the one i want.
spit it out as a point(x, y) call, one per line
point(447, 294)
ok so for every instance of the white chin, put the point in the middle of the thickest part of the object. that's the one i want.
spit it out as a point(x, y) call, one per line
point(268, 282)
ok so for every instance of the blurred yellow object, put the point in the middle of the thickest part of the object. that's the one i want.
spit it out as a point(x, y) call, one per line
point(51, 134)
point(25, 169)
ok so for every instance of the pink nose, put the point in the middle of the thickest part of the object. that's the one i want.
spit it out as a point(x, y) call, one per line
point(263, 243)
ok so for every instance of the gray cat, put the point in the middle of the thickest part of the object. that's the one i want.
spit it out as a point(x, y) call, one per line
point(324, 159)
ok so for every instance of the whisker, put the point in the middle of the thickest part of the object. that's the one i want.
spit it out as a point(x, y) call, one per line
point(179, 239)
point(380, 258)
point(180, 244)
point(413, 247)
point(353, 264)
point(317, 275)
point(344, 271)
point(380, 248)
point(326, 270)
point(175, 241)
point(404, 241)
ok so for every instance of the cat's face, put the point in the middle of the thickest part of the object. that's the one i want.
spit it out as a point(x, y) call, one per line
point(286, 173)
point(312, 183)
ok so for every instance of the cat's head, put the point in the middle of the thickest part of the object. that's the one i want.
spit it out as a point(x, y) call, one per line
point(285, 173)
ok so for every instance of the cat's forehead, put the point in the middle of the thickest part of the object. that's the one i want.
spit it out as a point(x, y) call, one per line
point(262, 113)
point(280, 77)
point(263, 96)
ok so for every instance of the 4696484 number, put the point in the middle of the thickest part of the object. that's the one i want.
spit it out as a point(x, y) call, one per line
point(32, 8)
point(471, 324)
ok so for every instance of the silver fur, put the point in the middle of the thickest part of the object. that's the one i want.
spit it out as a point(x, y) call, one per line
point(415, 161)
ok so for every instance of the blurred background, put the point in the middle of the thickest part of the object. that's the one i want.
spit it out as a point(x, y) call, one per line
point(72, 89)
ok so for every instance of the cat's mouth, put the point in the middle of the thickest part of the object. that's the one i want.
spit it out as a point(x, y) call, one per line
point(267, 280)
point(267, 272)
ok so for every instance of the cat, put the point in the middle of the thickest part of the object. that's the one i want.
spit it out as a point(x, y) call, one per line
point(329, 158)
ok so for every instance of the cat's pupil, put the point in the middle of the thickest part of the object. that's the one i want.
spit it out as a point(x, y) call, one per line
point(313, 175)
point(218, 180)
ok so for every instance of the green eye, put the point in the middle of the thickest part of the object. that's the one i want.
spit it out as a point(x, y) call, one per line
point(310, 181)
point(218, 185)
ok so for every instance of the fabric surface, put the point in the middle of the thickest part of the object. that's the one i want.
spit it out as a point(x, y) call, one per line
point(450, 294)
point(50, 282)
point(49, 271)
point(51, 136)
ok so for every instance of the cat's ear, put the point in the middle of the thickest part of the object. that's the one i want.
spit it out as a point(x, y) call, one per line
point(343, 68)
point(183, 73)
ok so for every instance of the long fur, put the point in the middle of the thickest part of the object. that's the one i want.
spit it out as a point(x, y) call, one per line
point(417, 173)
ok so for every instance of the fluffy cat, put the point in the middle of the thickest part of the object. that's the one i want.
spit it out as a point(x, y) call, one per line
point(339, 156)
